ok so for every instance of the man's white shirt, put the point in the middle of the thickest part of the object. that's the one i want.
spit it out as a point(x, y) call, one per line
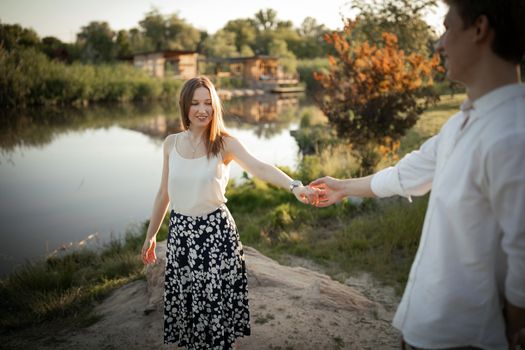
point(472, 249)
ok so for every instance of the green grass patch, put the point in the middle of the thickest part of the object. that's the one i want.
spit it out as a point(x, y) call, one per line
point(66, 287)
point(376, 236)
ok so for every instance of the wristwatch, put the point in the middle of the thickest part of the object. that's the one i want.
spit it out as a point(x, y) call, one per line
point(294, 184)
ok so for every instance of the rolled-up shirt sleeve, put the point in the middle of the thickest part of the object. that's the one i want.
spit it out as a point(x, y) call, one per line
point(505, 174)
point(411, 176)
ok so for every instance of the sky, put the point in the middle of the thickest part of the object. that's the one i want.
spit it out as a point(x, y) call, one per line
point(64, 18)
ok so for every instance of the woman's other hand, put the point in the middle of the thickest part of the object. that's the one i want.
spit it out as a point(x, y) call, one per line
point(148, 251)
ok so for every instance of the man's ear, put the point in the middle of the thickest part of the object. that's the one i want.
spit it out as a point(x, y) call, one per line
point(482, 27)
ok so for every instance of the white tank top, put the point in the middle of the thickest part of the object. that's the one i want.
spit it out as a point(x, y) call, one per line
point(196, 186)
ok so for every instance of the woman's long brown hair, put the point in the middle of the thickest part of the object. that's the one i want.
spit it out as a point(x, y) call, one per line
point(215, 131)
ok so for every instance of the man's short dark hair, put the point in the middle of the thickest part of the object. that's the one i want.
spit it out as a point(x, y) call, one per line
point(506, 17)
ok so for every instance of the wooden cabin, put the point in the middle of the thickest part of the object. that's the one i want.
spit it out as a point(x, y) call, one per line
point(263, 72)
point(169, 63)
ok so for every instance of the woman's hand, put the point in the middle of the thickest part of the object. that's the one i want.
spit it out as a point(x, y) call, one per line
point(331, 191)
point(148, 251)
point(306, 194)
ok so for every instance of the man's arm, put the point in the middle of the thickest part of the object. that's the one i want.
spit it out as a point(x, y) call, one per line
point(334, 190)
point(505, 187)
point(412, 175)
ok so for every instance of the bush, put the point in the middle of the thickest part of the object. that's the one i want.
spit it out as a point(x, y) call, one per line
point(374, 91)
point(28, 77)
point(306, 69)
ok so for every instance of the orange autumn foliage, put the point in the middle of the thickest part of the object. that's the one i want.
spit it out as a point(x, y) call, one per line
point(374, 92)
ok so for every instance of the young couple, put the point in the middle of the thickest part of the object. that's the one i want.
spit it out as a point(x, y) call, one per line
point(466, 288)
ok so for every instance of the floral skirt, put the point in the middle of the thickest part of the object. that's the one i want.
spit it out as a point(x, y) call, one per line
point(205, 288)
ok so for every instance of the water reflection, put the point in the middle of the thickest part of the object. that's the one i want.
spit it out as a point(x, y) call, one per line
point(39, 126)
point(266, 114)
point(68, 173)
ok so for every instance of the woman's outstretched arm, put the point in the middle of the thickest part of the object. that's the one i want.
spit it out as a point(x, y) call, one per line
point(235, 150)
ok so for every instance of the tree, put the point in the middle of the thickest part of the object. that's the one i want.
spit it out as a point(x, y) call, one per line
point(171, 33)
point(139, 42)
point(123, 44)
point(13, 36)
point(96, 43)
point(55, 49)
point(278, 48)
point(374, 92)
point(244, 30)
point(181, 35)
point(153, 28)
point(221, 44)
point(311, 43)
point(266, 19)
point(401, 17)
point(246, 51)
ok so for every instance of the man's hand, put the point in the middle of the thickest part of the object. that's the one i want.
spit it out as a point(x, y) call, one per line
point(518, 340)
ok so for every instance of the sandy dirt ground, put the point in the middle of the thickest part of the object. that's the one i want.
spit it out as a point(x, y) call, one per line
point(292, 307)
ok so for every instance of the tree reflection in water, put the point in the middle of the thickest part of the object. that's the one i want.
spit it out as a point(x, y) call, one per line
point(267, 115)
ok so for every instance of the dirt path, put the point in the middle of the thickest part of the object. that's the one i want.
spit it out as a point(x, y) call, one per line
point(291, 308)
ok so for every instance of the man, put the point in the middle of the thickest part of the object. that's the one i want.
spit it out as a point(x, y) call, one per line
point(466, 287)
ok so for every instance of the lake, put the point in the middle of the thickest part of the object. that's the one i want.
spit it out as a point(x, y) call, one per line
point(69, 174)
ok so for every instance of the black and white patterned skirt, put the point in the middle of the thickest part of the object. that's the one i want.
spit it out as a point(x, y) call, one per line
point(205, 288)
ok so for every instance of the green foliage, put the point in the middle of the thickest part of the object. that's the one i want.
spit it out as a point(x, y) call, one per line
point(312, 139)
point(13, 36)
point(123, 44)
point(234, 82)
point(265, 34)
point(244, 31)
point(169, 32)
point(96, 43)
point(279, 48)
point(221, 44)
point(404, 18)
point(306, 69)
point(266, 19)
point(310, 43)
point(28, 77)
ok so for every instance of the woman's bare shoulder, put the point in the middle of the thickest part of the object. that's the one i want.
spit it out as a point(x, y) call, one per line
point(229, 139)
point(169, 141)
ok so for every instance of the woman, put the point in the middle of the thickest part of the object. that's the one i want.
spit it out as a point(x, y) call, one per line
point(205, 297)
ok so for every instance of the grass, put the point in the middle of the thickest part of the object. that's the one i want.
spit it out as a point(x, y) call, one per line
point(66, 287)
point(380, 237)
point(430, 122)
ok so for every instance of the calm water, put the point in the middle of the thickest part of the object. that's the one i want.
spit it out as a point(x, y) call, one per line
point(67, 174)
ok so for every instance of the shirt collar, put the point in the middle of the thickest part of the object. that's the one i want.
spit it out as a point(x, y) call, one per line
point(485, 103)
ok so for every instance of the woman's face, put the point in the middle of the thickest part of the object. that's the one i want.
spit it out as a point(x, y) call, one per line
point(201, 109)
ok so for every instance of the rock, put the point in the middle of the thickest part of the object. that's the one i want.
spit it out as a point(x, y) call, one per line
point(316, 288)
